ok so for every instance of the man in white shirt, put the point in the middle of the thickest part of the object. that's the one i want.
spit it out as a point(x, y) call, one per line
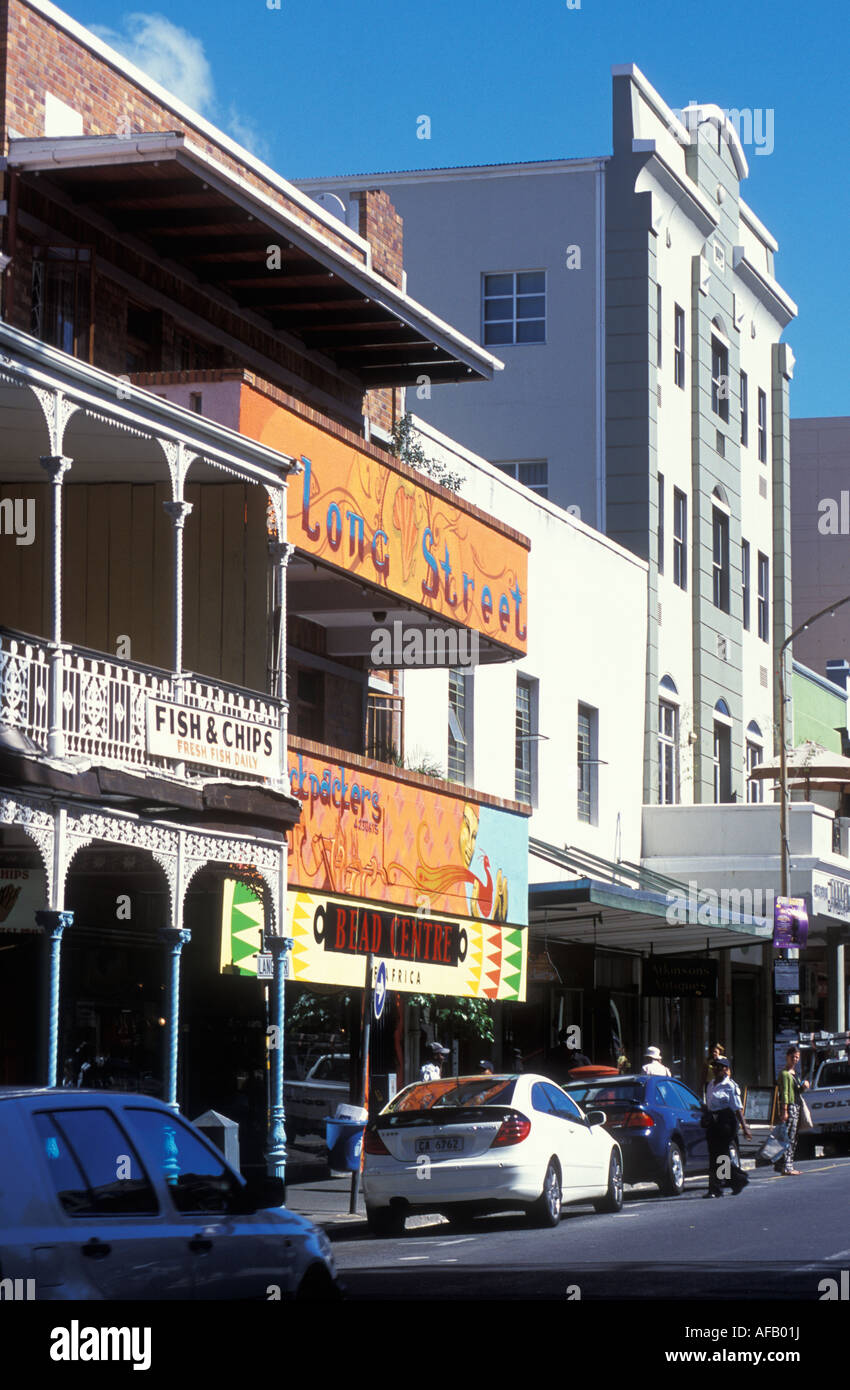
point(433, 1069)
point(653, 1065)
point(725, 1110)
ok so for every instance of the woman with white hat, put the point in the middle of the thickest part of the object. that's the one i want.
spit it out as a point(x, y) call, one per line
point(653, 1065)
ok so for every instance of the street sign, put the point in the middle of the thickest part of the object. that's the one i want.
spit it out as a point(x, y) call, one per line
point(265, 965)
point(379, 998)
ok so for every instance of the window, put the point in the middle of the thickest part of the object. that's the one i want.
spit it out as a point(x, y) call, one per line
point(679, 347)
point(525, 778)
point(719, 378)
point(680, 539)
point(82, 1149)
point(755, 756)
point(668, 753)
point(458, 711)
point(62, 290)
point(745, 417)
point(762, 426)
point(722, 753)
point(658, 325)
point(763, 602)
point(588, 764)
point(533, 473)
point(515, 307)
point(745, 581)
point(197, 1180)
point(721, 560)
point(660, 523)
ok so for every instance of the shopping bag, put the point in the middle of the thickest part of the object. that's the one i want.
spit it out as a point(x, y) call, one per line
point(805, 1121)
point(774, 1145)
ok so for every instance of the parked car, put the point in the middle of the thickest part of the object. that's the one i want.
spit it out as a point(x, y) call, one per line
point(309, 1102)
point(106, 1195)
point(471, 1144)
point(656, 1122)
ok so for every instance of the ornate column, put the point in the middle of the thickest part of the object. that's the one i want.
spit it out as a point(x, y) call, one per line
point(280, 553)
point(53, 924)
point(280, 946)
point(174, 939)
point(56, 466)
point(178, 511)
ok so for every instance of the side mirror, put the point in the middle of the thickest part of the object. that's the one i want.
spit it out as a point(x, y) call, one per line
point(596, 1117)
point(258, 1194)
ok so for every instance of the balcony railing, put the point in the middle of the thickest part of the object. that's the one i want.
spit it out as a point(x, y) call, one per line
point(103, 703)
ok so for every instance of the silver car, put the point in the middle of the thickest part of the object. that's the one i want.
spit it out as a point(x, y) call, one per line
point(105, 1195)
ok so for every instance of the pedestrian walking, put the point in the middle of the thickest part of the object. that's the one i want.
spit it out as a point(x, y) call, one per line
point(652, 1063)
point(433, 1069)
point(725, 1112)
point(790, 1093)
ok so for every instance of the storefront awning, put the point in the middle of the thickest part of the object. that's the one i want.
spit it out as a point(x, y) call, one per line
point(615, 916)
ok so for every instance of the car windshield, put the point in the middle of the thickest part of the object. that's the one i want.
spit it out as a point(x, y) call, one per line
point(606, 1093)
point(453, 1093)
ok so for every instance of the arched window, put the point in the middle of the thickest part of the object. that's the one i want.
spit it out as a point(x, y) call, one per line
point(755, 756)
point(668, 742)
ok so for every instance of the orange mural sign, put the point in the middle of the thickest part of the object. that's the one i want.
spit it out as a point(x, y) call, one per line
point(365, 836)
point(365, 517)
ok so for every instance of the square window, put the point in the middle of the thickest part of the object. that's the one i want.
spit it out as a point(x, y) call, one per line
point(514, 307)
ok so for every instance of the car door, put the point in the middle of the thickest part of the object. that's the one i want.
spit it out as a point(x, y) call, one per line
point(580, 1152)
point(110, 1231)
point(689, 1112)
point(233, 1254)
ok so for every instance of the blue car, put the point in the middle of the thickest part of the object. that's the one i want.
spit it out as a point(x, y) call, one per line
point(656, 1122)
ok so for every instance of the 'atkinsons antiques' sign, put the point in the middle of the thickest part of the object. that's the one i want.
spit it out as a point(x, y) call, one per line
point(220, 741)
point(666, 977)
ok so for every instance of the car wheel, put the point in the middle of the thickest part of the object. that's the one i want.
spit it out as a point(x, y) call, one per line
point(613, 1199)
point(318, 1286)
point(546, 1211)
point(673, 1181)
point(385, 1221)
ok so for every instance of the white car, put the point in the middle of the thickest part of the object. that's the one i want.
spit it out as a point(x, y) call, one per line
point(469, 1144)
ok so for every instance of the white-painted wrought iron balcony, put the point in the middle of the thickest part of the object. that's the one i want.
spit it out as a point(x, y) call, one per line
point(100, 709)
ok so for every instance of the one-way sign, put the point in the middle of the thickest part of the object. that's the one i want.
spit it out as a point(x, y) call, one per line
point(379, 998)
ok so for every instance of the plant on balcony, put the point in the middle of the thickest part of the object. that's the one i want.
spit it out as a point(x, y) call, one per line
point(406, 447)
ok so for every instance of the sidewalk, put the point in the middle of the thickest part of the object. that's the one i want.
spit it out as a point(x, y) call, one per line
point(324, 1197)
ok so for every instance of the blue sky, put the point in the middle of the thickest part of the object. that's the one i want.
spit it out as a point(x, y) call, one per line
point(327, 86)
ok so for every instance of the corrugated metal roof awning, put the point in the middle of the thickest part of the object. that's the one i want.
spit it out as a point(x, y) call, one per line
point(589, 912)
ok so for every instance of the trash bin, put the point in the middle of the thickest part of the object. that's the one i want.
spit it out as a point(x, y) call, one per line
point(345, 1138)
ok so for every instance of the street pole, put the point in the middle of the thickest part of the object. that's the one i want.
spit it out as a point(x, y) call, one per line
point(366, 1035)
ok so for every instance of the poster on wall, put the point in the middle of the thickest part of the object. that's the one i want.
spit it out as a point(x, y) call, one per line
point(23, 891)
point(423, 952)
point(365, 835)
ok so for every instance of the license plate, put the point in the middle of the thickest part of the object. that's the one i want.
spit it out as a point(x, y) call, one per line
point(439, 1146)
